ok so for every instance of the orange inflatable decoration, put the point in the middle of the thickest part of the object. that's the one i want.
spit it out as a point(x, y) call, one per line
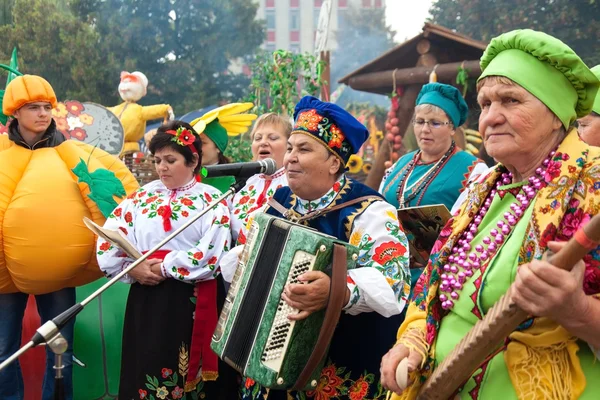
point(44, 245)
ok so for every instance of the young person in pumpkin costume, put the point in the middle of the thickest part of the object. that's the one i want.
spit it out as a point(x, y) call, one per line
point(44, 247)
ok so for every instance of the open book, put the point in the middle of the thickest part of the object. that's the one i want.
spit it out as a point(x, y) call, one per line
point(114, 237)
point(422, 226)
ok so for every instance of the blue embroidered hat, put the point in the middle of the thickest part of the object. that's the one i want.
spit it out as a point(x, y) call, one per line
point(331, 125)
point(446, 97)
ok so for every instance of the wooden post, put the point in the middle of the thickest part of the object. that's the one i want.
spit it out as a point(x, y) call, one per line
point(409, 76)
point(325, 76)
point(404, 115)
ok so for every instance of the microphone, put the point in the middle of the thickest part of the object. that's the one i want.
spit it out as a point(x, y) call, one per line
point(241, 170)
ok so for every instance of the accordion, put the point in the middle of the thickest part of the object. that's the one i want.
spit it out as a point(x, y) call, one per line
point(253, 333)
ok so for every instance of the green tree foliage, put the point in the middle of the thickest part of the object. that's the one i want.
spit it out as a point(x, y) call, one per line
point(184, 47)
point(577, 23)
point(59, 47)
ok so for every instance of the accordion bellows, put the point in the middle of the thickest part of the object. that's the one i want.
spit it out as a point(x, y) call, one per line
point(253, 334)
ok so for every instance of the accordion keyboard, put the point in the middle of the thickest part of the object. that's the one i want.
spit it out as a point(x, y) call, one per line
point(282, 328)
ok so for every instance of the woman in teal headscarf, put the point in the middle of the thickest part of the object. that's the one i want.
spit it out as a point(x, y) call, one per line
point(439, 170)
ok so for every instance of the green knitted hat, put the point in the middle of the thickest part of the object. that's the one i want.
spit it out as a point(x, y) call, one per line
point(545, 67)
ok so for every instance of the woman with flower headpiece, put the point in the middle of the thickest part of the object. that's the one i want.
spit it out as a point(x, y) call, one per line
point(545, 187)
point(159, 358)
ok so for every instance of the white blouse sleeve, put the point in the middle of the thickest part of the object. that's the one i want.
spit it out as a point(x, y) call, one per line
point(200, 263)
point(382, 283)
point(112, 259)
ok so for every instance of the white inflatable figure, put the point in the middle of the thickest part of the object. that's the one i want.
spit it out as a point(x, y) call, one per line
point(132, 88)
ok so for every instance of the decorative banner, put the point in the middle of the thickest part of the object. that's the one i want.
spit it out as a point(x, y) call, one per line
point(90, 123)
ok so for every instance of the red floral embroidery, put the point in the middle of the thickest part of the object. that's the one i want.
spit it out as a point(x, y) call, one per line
point(213, 260)
point(359, 390)
point(388, 251)
point(123, 230)
point(336, 187)
point(249, 383)
point(128, 217)
point(151, 199)
point(183, 272)
point(105, 246)
point(208, 197)
point(337, 137)
point(118, 212)
point(187, 202)
point(328, 383)
point(166, 372)
point(198, 255)
point(224, 219)
point(144, 211)
point(177, 393)
point(309, 120)
point(244, 200)
point(143, 393)
point(162, 210)
point(185, 213)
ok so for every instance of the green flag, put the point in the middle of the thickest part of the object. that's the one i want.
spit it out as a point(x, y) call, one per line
point(13, 72)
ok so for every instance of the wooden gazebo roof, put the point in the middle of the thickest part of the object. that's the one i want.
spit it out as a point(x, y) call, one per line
point(416, 58)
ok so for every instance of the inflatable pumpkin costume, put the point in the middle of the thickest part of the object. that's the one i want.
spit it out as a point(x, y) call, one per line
point(47, 186)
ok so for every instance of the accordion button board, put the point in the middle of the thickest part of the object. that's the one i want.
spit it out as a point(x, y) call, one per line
point(281, 330)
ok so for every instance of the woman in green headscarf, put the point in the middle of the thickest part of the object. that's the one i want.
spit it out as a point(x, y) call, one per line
point(589, 126)
point(532, 89)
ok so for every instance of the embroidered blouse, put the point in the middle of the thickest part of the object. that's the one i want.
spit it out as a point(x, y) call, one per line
point(194, 254)
point(254, 196)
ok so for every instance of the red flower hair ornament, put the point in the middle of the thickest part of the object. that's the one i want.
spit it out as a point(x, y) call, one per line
point(183, 137)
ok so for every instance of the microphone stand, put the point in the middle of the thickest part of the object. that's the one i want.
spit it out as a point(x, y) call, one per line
point(49, 332)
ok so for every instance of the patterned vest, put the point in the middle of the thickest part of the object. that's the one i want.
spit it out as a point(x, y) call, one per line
point(360, 341)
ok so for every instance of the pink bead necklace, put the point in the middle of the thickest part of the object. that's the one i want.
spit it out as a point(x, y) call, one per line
point(464, 260)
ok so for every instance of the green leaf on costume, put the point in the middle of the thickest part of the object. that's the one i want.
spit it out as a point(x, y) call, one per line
point(103, 185)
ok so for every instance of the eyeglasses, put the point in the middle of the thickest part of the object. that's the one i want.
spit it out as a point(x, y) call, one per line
point(433, 124)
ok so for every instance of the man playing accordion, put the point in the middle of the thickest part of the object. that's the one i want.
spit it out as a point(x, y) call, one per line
point(321, 196)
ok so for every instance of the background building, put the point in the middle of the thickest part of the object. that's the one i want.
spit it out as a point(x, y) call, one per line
point(292, 24)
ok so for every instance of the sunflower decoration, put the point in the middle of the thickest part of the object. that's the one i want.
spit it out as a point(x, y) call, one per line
point(354, 164)
point(366, 168)
point(232, 117)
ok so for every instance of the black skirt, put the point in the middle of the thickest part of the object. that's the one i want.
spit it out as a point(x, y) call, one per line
point(156, 342)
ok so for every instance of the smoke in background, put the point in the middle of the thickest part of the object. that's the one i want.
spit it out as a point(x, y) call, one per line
point(361, 37)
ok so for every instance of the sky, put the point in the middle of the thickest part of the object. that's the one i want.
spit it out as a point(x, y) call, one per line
point(407, 17)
